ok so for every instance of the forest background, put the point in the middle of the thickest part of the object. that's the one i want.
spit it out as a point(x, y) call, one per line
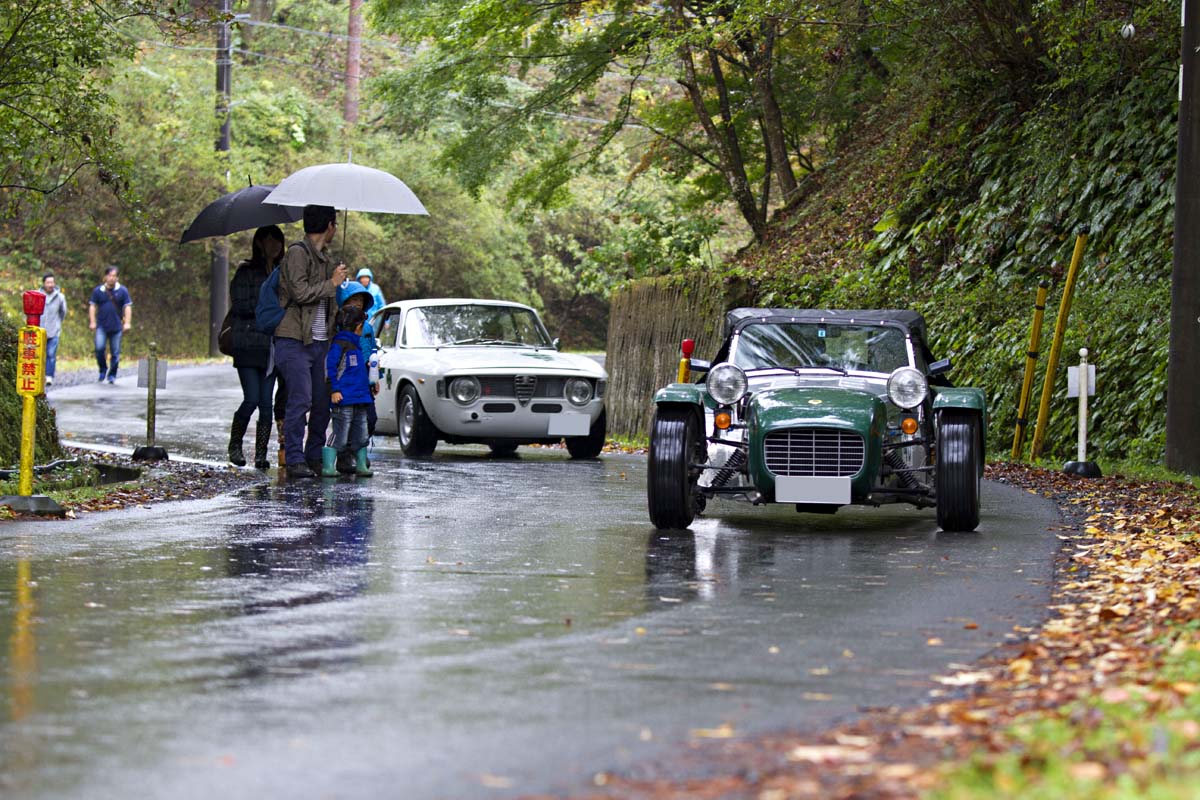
point(855, 153)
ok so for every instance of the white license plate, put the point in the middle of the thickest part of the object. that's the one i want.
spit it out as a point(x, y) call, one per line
point(569, 425)
point(812, 490)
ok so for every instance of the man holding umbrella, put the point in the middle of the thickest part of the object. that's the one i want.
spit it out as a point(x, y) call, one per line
point(308, 282)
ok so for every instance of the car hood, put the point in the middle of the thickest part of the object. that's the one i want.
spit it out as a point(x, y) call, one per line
point(506, 360)
point(818, 408)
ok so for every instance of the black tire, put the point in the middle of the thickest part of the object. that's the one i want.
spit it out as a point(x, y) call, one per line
point(671, 480)
point(503, 449)
point(418, 436)
point(959, 463)
point(590, 446)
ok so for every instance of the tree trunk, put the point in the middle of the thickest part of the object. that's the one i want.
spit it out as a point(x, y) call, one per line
point(353, 62)
point(761, 58)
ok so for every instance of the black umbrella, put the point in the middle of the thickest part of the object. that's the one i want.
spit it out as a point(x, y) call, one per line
point(240, 211)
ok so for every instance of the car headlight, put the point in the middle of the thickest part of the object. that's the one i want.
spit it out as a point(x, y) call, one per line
point(907, 387)
point(726, 383)
point(578, 391)
point(465, 391)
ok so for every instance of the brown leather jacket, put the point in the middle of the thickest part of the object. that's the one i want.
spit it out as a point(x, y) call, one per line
point(303, 283)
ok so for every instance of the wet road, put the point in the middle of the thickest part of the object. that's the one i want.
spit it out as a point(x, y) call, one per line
point(461, 626)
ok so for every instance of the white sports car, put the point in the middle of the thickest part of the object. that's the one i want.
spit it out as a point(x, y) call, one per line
point(486, 372)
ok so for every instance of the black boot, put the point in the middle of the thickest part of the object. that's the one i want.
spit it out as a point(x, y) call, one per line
point(236, 432)
point(262, 438)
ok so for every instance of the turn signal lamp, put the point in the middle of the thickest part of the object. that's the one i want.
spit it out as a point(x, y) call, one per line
point(687, 347)
point(908, 425)
point(722, 420)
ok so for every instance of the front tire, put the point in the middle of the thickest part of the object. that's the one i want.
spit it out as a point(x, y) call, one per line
point(959, 465)
point(589, 446)
point(418, 436)
point(503, 449)
point(671, 480)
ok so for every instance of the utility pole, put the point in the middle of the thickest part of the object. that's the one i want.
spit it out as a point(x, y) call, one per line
point(1183, 367)
point(218, 302)
point(353, 62)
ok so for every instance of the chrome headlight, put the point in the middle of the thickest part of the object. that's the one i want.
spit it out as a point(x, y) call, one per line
point(726, 383)
point(578, 391)
point(907, 387)
point(465, 391)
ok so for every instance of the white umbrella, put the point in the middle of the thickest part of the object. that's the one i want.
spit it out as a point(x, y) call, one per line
point(347, 187)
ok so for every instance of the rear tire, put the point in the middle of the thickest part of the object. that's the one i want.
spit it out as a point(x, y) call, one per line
point(589, 446)
point(418, 436)
point(959, 464)
point(671, 480)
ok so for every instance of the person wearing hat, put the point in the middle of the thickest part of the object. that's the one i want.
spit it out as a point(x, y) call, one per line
point(367, 279)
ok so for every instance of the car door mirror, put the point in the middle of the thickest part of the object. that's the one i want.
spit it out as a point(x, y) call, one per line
point(555, 343)
point(940, 367)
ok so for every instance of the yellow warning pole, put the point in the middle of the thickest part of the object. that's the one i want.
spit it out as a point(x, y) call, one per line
point(31, 382)
point(687, 347)
point(28, 428)
point(1031, 356)
point(1060, 330)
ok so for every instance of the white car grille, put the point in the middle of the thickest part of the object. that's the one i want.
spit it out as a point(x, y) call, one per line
point(525, 386)
point(814, 452)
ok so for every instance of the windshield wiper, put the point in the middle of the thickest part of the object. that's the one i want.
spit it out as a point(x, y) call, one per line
point(841, 370)
point(489, 340)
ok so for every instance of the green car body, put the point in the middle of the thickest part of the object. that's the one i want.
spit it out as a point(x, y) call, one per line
point(816, 429)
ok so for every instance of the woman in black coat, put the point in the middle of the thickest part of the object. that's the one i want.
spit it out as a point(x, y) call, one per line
point(252, 347)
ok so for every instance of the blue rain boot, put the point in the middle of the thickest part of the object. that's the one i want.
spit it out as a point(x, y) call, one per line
point(329, 462)
point(360, 464)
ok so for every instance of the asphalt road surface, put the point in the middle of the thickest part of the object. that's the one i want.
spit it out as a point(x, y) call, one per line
point(460, 626)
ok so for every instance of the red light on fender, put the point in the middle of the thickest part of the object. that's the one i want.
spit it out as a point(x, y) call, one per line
point(687, 347)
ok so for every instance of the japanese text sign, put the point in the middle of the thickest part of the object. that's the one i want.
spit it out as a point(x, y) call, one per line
point(31, 361)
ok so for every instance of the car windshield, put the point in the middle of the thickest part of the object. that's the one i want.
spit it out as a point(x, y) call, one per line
point(441, 326)
point(864, 348)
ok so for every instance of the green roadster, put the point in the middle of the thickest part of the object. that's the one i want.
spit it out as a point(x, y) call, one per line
point(819, 409)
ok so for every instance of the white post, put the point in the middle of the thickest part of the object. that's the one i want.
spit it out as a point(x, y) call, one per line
point(1083, 404)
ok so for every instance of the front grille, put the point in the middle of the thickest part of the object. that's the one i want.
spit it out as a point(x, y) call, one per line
point(525, 386)
point(814, 452)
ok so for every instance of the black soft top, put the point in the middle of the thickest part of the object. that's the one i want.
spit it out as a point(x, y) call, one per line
point(913, 322)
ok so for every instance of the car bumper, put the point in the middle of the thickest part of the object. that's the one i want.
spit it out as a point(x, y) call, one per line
point(538, 420)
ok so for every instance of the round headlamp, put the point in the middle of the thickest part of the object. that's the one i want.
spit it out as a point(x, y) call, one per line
point(465, 391)
point(578, 391)
point(726, 383)
point(907, 387)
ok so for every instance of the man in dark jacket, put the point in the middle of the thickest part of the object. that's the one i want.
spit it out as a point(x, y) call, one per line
point(308, 281)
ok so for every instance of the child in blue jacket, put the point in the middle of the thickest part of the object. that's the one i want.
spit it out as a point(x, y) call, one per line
point(350, 394)
point(351, 294)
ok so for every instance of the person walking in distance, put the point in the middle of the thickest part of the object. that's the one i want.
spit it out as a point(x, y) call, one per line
point(308, 282)
point(110, 315)
point(252, 347)
point(52, 320)
point(367, 279)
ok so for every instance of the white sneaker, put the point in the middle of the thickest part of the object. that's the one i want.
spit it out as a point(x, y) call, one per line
point(49, 380)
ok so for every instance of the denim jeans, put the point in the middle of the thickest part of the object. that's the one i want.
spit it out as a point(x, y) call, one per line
point(51, 355)
point(349, 434)
point(113, 340)
point(257, 386)
point(303, 368)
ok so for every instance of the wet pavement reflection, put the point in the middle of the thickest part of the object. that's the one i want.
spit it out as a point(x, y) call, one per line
point(470, 627)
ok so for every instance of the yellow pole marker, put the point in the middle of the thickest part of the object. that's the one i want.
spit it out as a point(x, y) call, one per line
point(1060, 330)
point(1031, 355)
point(687, 347)
point(31, 382)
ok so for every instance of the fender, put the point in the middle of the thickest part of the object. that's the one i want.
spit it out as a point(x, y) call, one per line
point(964, 398)
point(684, 393)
